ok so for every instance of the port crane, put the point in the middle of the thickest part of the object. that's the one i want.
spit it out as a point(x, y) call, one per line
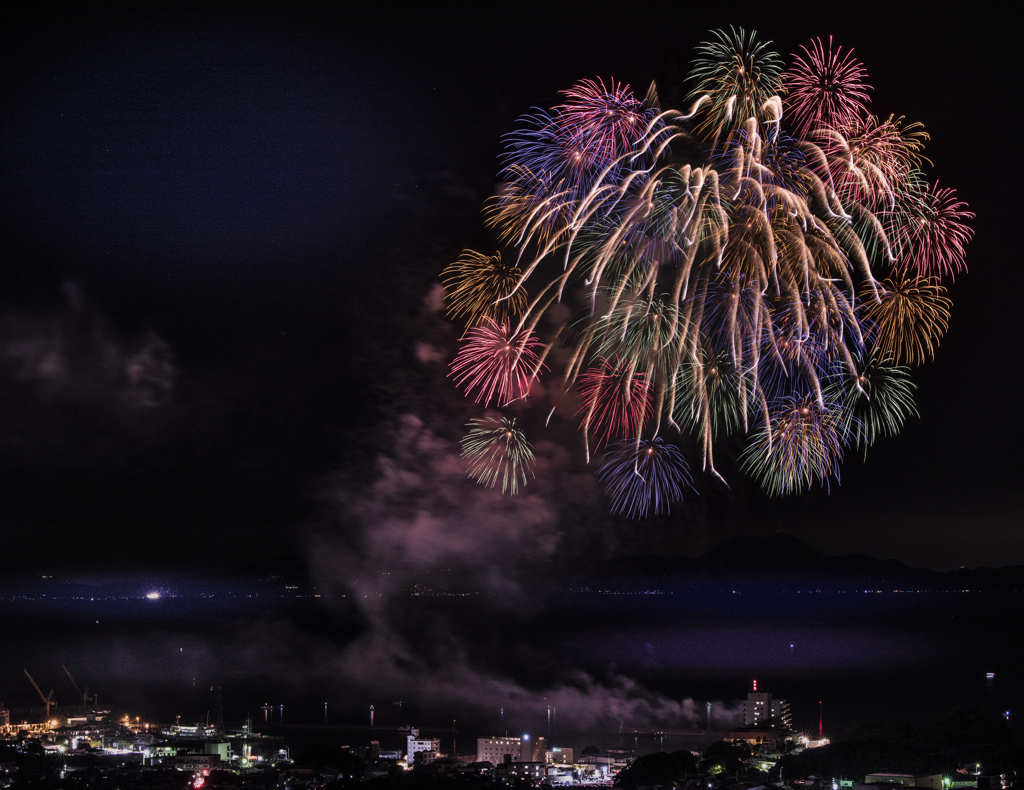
point(48, 701)
point(86, 699)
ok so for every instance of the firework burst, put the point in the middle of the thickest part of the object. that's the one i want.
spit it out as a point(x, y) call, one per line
point(825, 88)
point(876, 402)
point(496, 450)
point(931, 241)
point(481, 287)
point(615, 400)
point(601, 124)
point(726, 268)
point(573, 144)
point(711, 402)
point(741, 78)
point(910, 318)
point(802, 442)
point(643, 477)
point(496, 363)
point(869, 159)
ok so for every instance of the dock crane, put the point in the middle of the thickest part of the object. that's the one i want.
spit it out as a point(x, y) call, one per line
point(86, 699)
point(48, 701)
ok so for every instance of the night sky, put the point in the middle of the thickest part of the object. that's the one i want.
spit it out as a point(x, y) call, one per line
point(221, 235)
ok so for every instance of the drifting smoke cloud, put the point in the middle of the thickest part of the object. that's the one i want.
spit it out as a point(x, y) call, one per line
point(423, 527)
point(61, 356)
point(422, 514)
point(72, 355)
point(76, 393)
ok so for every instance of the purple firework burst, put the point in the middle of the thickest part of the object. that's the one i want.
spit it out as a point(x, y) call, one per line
point(644, 477)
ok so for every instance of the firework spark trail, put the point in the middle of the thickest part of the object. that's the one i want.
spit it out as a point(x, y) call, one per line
point(723, 276)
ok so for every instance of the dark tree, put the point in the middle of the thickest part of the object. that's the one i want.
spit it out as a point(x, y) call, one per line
point(657, 769)
point(727, 756)
point(856, 759)
point(320, 755)
point(965, 726)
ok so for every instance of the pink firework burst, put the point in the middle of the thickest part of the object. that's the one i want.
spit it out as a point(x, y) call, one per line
point(932, 238)
point(615, 400)
point(826, 89)
point(496, 363)
point(601, 124)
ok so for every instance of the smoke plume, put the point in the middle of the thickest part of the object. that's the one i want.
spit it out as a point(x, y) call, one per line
point(446, 573)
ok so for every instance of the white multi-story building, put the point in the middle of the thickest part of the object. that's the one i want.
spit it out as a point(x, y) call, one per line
point(519, 750)
point(494, 749)
point(414, 743)
point(762, 708)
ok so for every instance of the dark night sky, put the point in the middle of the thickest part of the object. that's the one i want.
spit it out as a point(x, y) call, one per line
point(219, 230)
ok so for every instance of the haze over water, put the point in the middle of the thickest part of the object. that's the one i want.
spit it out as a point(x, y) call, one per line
point(864, 654)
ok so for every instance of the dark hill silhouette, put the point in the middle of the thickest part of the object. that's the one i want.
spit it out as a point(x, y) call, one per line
point(788, 563)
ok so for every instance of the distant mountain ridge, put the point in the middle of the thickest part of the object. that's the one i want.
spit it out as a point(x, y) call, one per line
point(780, 562)
point(786, 562)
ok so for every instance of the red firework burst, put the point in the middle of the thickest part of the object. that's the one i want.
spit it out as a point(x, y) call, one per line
point(616, 400)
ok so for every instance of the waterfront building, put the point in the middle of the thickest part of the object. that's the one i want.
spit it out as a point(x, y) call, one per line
point(414, 743)
point(500, 750)
point(762, 708)
point(494, 750)
point(760, 735)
